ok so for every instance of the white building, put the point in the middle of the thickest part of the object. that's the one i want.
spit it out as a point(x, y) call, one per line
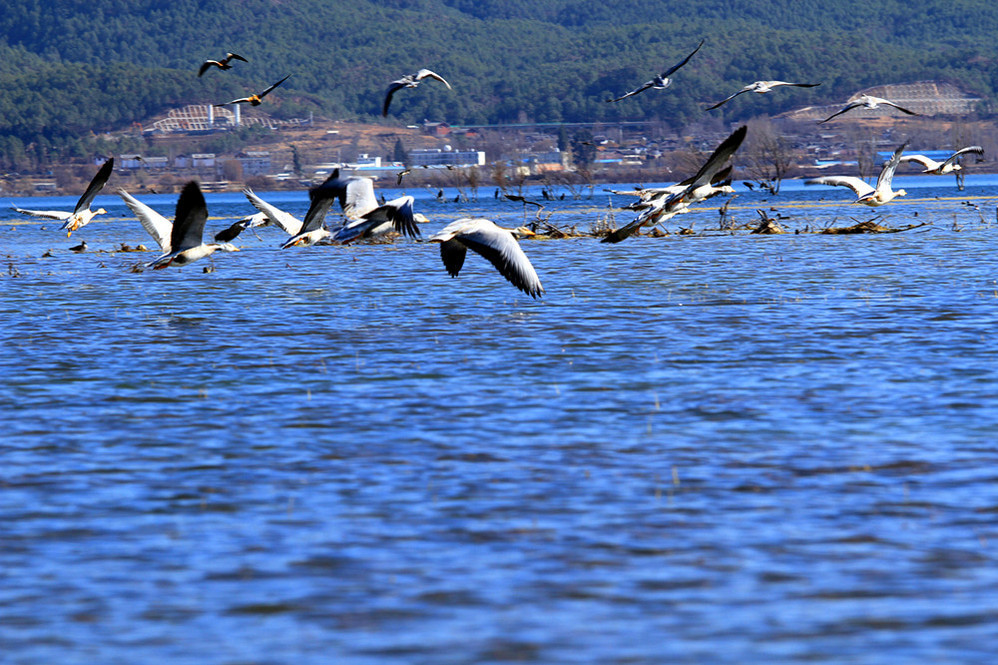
point(443, 158)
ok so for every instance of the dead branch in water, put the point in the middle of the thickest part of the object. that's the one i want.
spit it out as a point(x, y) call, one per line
point(869, 226)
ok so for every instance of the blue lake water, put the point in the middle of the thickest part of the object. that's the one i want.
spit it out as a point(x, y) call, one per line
point(716, 448)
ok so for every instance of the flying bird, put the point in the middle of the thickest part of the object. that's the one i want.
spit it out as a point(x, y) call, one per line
point(409, 81)
point(700, 187)
point(186, 245)
point(520, 199)
point(949, 165)
point(313, 228)
point(761, 87)
point(222, 64)
point(82, 214)
point(866, 194)
point(396, 214)
point(496, 244)
point(366, 217)
point(256, 100)
point(662, 81)
point(867, 101)
point(268, 214)
point(648, 196)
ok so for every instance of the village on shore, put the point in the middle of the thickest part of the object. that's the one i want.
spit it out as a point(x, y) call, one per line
point(227, 151)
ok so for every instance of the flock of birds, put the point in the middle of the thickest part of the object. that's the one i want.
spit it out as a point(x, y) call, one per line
point(182, 240)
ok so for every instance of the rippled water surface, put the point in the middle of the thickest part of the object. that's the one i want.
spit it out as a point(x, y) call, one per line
point(717, 448)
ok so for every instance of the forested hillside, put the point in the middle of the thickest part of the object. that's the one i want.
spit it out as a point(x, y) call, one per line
point(73, 67)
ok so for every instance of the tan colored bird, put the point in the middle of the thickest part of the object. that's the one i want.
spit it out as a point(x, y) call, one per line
point(222, 64)
point(255, 100)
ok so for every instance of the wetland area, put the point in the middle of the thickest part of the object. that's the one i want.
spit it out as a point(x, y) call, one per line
point(707, 448)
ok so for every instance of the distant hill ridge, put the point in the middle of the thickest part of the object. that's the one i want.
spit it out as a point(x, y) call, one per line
point(72, 67)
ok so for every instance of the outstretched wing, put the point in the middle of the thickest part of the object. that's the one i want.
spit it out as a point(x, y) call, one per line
point(859, 187)
point(729, 98)
point(716, 161)
point(231, 233)
point(205, 66)
point(157, 226)
point(973, 149)
point(321, 198)
point(192, 213)
point(899, 108)
point(669, 72)
point(887, 173)
point(45, 214)
point(426, 73)
point(921, 160)
point(388, 96)
point(265, 92)
point(633, 92)
point(288, 223)
point(95, 186)
point(777, 84)
point(452, 253)
point(847, 107)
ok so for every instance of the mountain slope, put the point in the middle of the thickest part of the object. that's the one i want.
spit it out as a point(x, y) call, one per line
point(72, 67)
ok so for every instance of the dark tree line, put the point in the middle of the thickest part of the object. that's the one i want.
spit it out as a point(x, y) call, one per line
point(73, 69)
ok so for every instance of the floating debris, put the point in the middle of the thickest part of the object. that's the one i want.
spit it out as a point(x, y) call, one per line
point(869, 226)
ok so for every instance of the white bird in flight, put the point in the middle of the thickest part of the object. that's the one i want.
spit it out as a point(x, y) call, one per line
point(498, 245)
point(867, 101)
point(865, 193)
point(365, 216)
point(409, 81)
point(761, 87)
point(186, 245)
point(948, 165)
point(700, 187)
point(82, 214)
point(662, 81)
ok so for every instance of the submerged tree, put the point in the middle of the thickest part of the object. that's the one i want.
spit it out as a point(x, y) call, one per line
point(769, 155)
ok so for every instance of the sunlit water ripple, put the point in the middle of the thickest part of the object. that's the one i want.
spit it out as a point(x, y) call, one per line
point(724, 449)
